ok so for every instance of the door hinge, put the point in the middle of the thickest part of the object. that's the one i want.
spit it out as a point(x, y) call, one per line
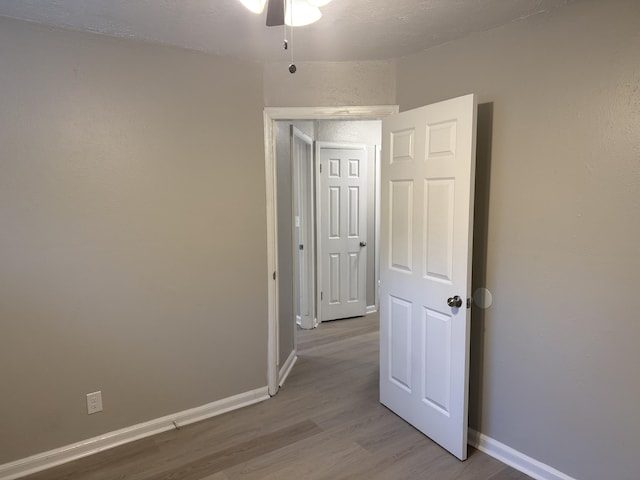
point(320, 167)
point(469, 302)
point(274, 275)
point(321, 295)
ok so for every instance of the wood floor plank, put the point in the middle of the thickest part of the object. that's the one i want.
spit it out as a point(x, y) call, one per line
point(302, 459)
point(118, 461)
point(509, 473)
point(216, 476)
point(223, 459)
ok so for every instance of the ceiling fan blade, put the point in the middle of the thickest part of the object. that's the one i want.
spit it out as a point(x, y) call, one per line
point(275, 13)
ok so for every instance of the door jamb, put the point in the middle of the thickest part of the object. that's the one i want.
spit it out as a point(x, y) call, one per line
point(270, 116)
point(378, 164)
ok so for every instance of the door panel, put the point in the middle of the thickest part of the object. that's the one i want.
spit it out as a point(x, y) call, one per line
point(428, 158)
point(438, 224)
point(400, 343)
point(342, 229)
point(353, 209)
point(354, 280)
point(436, 341)
point(400, 225)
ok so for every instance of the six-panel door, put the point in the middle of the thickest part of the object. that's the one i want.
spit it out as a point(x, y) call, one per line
point(428, 159)
point(343, 230)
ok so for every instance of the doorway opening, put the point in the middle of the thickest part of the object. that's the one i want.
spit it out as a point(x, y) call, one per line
point(280, 359)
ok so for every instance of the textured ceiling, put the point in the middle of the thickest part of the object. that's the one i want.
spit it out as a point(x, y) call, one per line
point(349, 29)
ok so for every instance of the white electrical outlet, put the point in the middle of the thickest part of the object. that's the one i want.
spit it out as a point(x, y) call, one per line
point(94, 402)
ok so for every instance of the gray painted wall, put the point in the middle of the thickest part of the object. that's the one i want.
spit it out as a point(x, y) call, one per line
point(329, 84)
point(369, 133)
point(133, 233)
point(556, 358)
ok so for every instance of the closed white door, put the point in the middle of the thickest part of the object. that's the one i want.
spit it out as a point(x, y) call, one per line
point(428, 160)
point(342, 231)
point(303, 221)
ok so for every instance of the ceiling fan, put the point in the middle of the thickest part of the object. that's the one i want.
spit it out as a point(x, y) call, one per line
point(275, 13)
point(294, 13)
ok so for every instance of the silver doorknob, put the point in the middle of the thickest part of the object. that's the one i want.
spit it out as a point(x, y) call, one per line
point(363, 244)
point(454, 302)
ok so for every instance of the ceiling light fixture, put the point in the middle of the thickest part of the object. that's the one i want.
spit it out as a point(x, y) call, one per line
point(299, 13)
point(318, 3)
point(256, 6)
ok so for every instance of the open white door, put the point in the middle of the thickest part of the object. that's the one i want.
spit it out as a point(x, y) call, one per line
point(428, 162)
point(303, 222)
point(342, 232)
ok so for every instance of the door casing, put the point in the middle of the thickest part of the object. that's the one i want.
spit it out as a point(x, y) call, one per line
point(270, 116)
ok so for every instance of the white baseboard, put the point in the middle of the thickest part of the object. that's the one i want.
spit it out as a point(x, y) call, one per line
point(287, 367)
point(371, 309)
point(58, 456)
point(514, 458)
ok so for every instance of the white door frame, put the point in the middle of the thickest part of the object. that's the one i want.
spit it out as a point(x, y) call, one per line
point(303, 225)
point(376, 254)
point(270, 116)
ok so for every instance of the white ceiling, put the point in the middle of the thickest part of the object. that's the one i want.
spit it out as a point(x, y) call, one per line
point(349, 29)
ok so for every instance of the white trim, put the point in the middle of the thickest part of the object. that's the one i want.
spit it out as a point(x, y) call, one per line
point(318, 243)
point(287, 367)
point(270, 116)
point(58, 456)
point(340, 146)
point(514, 458)
point(372, 112)
point(371, 309)
point(272, 255)
point(376, 248)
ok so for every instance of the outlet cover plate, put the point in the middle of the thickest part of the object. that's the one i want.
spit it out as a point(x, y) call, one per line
point(94, 402)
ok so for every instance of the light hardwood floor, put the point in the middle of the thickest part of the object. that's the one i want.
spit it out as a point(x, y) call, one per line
point(325, 423)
